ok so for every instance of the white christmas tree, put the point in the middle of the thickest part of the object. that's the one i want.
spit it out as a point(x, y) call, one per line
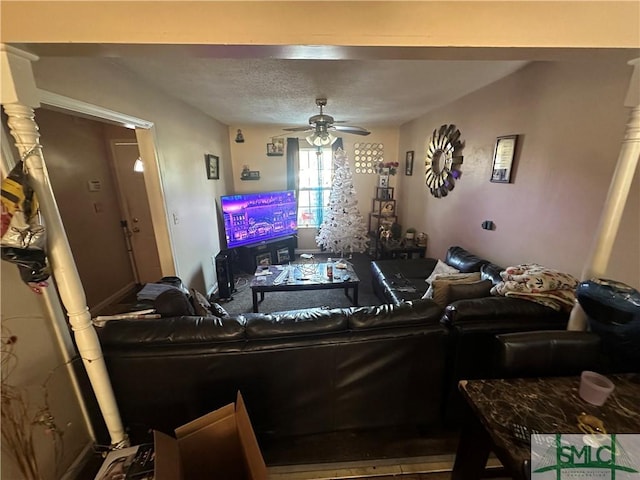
point(343, 229)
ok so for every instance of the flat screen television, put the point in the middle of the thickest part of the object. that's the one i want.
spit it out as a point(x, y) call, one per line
point(251, 218)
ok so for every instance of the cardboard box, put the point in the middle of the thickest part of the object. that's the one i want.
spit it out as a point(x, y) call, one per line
point(219, 445)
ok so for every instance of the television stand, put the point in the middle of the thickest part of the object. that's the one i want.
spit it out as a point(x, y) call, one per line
point(272, 252)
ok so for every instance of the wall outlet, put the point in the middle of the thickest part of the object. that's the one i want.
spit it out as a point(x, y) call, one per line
point(176, 219)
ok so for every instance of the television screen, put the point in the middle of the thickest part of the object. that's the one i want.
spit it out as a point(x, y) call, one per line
point(251, 218)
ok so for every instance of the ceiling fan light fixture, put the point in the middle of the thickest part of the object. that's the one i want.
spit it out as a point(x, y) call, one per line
point(321, 139)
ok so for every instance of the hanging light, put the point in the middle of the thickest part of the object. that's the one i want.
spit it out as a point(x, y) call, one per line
point(138, 166)
point(321, 137)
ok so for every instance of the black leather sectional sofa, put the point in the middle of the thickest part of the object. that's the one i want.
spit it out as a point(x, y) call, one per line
point(315, 371)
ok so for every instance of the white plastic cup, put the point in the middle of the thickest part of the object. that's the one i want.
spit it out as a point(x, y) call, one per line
point(595, 388)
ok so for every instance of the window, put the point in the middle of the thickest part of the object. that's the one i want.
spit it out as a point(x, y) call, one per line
point(314, 174)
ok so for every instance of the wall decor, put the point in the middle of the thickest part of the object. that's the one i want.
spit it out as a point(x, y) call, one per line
point(239, 137)
point(276, 147)
point(408, 167)
point(367, 156)
point(503, 156)
point(443, 160)
point(383, 177)
point(248, 174)
point(213, 166)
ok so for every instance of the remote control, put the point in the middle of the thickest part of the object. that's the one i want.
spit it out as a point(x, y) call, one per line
point(281, 277)
point(526, 435)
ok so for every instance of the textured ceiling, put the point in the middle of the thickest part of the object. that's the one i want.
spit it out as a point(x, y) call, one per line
point(282, 92)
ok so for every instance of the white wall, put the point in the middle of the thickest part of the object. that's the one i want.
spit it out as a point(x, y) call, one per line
point(570, 120)
point(253, 152)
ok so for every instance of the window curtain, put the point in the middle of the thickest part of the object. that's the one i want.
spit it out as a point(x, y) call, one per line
point(293, 161)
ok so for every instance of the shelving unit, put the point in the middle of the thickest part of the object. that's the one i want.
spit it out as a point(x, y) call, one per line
point(383, 213)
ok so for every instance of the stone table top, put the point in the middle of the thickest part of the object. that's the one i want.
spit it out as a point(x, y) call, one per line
point(547, 405)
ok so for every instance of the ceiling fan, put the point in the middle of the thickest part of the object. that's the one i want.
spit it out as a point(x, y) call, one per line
point(322, 125)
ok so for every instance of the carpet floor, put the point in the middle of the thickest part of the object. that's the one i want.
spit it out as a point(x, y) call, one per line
point(241, 301)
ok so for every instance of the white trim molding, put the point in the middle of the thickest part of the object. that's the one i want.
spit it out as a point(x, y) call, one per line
point(92, 111)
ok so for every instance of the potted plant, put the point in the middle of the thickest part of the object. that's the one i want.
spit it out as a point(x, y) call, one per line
point(410, 233)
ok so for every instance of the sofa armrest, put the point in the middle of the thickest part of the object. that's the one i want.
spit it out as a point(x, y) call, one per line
point(547, 353)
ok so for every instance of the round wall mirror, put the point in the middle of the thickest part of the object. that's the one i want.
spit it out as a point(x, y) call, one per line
point(443, 160)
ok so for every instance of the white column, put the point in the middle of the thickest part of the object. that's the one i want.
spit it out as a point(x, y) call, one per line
point(19, 97)
point(596, 266)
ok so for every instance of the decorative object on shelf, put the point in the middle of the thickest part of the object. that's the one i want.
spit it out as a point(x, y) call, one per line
point(239, 137)
point(410, 233)
point(503, 159)
point(443, 160)
point(408, 167)
point(248, 174)
point(388, 208)
point(343, 229)
point(391, 168)
point(213, 166)
point(367, 156)
point(421, 239)
point(383, 177)
point(396, 231)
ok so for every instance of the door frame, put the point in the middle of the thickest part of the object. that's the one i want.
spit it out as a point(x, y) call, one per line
point(146, 138)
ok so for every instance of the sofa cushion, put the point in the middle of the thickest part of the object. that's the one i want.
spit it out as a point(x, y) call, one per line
point(462, 291)
point(491, 271)
point(464, 260)
point(296, 322)
point(173, 303)
point(408, 313)
point(172, 331)
point(439, 289)
point(441, 268)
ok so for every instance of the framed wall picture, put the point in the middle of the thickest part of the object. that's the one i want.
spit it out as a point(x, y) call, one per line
point(278, 144)
point(408, 168)
point(212, 164)
point(503, 156)
point(283, 255)
point(263, 259)
point(276, 147)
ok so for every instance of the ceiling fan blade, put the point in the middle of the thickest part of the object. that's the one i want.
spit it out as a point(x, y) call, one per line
point(299, 129)
point(351, 129)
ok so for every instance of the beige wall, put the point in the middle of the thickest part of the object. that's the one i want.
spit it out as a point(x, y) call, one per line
point(183, 136)
point(38, 358)
point(273, 169)
point(76, 152)
point(570, 120)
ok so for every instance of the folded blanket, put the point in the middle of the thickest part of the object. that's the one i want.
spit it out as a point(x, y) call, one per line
point(538, 284)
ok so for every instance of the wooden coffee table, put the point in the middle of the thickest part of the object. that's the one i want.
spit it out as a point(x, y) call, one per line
point(303, 277)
